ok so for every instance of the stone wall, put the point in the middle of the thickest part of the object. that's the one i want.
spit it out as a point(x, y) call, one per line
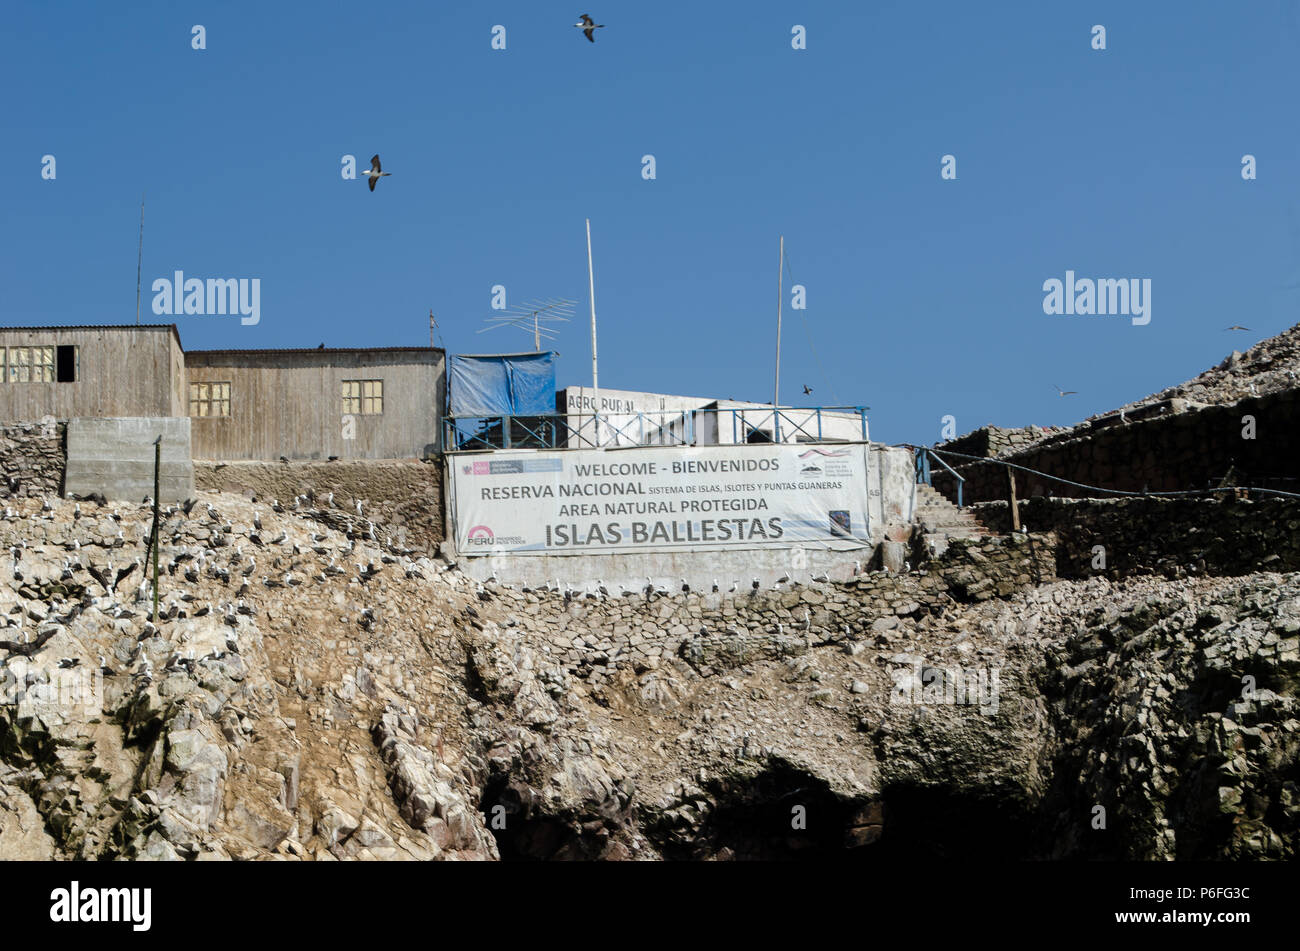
point(1171, 537)
point(1186, 447)
point(32, 459)
point(403, 499)
point(990, 441)
point(592, 636)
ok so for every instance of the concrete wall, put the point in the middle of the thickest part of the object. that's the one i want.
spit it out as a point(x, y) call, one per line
point(289, 403)
point(115, 457)
point(403, 499)
point(124, 371)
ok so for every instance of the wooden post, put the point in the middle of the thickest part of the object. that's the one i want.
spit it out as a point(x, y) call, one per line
point(1011, 498)
point(157, 465)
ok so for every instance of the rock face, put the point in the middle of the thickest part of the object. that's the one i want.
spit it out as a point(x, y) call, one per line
point(31, 459)
point(312, 693)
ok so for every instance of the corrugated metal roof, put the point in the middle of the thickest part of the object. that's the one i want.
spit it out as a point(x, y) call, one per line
point(172, 327)
point(176, 332)
point(322, 350)
point(96, 327)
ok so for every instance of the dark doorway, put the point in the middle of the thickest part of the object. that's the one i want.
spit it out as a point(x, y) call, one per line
point(66, 364)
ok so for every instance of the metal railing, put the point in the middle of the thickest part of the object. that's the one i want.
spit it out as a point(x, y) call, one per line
point(705, 426)
point(923, 456)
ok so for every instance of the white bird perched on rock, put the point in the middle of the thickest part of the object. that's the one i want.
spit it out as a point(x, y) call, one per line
point(257, 520)
point(358, 506)
point(821, 579)
point(755, 583)
point(685, 587)
point(329, 500)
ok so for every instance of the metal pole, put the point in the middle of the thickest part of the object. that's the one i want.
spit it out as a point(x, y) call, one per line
point(139, 259)
point(157, 465)
point(776, 386)
point(595, 380)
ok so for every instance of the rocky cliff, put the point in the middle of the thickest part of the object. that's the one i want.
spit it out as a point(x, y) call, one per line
point(309, 692)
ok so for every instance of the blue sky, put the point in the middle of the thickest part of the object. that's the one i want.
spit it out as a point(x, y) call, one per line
point(924, 296)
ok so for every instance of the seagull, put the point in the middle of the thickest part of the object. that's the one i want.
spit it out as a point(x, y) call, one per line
point(375, 173)
point(1236, 327)
point(1065, 392)
point(588, 27)
point(807, 389)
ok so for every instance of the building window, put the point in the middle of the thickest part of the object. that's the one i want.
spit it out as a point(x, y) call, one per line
point(209, 399)
point(31, 365)
point(363, 397)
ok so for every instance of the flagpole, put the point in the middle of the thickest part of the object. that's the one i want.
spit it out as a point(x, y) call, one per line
point(776, 386)
point(139, 259)
point(595, 379)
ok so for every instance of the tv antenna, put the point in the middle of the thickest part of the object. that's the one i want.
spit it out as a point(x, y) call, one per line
point(537, 316)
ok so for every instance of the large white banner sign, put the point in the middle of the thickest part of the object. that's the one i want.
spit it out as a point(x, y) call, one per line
point(660, 499)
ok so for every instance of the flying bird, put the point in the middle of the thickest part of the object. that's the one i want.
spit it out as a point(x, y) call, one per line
point(376, 172)
point(807, 389)
point(1066, 392)
point(589, 27)
point(1237, 327)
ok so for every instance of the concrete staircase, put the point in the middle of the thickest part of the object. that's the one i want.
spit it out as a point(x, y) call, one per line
point(937, 516)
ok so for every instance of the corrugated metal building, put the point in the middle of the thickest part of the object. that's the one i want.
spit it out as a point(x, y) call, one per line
point(383, 403)
point(124, 370)
point(380, 403)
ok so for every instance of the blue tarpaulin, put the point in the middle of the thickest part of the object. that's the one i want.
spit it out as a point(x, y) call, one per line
point(517, 384)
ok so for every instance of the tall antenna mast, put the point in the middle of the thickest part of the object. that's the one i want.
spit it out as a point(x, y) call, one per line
point(139, 259)
point(780, 293)
point(595, 379)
